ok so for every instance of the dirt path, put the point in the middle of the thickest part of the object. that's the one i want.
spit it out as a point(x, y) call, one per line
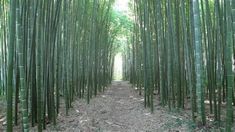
point(118, 109)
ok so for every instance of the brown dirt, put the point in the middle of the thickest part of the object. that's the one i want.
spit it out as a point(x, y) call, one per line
point(118, 109)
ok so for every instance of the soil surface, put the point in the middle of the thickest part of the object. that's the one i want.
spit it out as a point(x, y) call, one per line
point(118, 109)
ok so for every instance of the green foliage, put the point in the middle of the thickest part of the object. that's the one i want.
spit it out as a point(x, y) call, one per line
point(64, 49)
point(182, 51)
point(121, 26)
point(121, 23)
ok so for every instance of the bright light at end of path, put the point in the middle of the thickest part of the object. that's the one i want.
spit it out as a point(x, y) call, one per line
point(118, 67)
point(121, 5)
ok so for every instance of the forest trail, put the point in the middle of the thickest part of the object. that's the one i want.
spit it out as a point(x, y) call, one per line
point(118, 109)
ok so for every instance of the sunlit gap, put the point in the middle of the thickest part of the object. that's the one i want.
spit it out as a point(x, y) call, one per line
point(122, 7)
point(117, 75)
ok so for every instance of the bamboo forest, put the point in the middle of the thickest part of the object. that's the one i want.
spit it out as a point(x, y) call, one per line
point(117, 65)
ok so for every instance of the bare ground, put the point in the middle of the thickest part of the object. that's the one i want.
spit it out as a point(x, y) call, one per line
point(118, 109)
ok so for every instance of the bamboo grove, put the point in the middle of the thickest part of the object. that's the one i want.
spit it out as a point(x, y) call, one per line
point(183, 50)
point(53, 51)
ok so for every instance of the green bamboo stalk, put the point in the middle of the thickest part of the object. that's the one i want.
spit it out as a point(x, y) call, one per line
point(198, 59)
point(228, 63)
point(12, 30)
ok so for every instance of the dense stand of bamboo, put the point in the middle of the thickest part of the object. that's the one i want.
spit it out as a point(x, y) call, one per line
point(183, 50)
point(56, 49)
